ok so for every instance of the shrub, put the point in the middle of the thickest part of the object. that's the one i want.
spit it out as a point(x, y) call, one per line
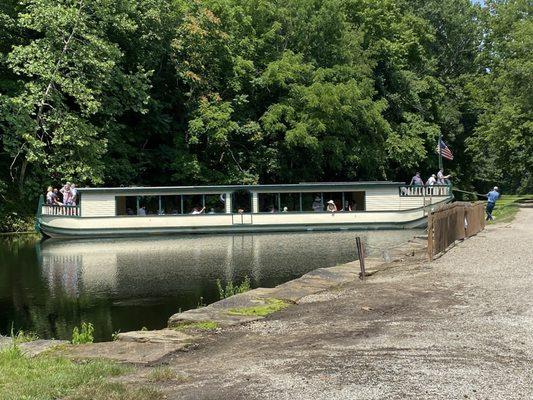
point(83, 335)
point(23, 337)
point(231, 290)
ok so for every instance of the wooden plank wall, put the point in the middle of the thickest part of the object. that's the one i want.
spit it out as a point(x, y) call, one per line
point(452, 222)
point(97, 205)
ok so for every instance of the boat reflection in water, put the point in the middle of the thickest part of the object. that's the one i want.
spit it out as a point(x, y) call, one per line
point(130, 283)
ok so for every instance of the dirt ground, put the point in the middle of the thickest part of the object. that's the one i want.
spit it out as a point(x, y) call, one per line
point(460, 327)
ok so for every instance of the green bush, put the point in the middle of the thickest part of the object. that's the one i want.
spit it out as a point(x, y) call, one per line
point(23, 337)
point(15, 222)
point(231, 290)
point(84, 334)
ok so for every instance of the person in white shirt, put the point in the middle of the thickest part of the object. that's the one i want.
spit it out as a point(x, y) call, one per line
point(74, 194)
point(50, 196)
point(442, 179)
point(431, 181)
point(197, 211)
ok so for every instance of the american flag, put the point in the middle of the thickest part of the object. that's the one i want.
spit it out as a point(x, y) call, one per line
point(444, 150)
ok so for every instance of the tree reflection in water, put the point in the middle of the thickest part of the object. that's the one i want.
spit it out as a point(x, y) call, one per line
point(124, 284)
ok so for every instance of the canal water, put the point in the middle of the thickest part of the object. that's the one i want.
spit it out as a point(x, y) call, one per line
point(49, 287)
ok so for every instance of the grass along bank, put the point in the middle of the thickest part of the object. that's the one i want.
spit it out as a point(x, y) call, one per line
point(507, 207)
point(46, 377)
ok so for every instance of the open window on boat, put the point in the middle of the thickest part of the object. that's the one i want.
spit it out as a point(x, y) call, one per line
point(312, 202)
point(148, 205)
point(289, 200)
point(337, 197)
point(191, 202)
point(171, 205)
point(268, 202)
point(126, 205)
point(241, 200)
point(215, 203)
point(355, 200)
point(137, 205)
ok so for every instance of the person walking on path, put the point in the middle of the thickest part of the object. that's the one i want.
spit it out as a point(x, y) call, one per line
point(492, 196)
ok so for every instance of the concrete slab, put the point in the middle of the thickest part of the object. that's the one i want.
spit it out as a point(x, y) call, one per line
point(33, 348)
point(122, 351)
point(156, 336)
point(211, 314)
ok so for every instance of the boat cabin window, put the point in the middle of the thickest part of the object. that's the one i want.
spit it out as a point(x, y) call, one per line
point(356, 200)
point(126, 205)
point(148, 205)
point(192, 202)
point(215, 203)
point(241, 200)
point(268, 202)
point(289, 200)
point(171, 205)
point(311, 202)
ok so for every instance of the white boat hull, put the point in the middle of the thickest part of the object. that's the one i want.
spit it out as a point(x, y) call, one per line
point(126, 226)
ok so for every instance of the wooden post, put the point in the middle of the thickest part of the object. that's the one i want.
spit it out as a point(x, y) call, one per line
point(430, 236)
point(361, 253)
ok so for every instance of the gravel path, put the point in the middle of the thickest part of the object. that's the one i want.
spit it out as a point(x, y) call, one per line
point(460, 327)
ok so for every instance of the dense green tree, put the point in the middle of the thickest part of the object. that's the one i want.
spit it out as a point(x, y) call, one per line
point(241, 91)
point(502, 143)
point(72, 85)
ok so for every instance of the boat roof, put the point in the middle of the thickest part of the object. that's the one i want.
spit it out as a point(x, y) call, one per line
point(269, 188)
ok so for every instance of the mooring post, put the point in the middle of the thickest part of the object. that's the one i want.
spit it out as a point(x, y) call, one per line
point(361, 253)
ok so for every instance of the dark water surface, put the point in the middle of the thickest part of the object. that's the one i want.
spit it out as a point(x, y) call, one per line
point(126, 284)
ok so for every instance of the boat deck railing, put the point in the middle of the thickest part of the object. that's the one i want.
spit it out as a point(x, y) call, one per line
point(63, 210)
point(425, 191)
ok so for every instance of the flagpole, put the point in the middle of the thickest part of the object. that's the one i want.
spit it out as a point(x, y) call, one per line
point(440, 150)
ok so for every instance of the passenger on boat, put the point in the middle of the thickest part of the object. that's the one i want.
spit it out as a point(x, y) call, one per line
point(197, 210)
point(52, 198)
point(416, 180)
point(317, 205)
point(49, 196)
point(331, 206)
point(347, 206)
point(67, 194)
point(430, 182)
point(141, 211)
point(285, 209)
point(211, 211)
point(443, 179)
point(74, 194)
point(57, 201)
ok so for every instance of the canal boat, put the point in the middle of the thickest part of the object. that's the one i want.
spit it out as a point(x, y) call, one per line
point(141, 211)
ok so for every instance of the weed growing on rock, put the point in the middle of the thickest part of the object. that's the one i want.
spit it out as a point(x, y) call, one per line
point(199, 326)
point(231, 290)
point(22, 336)
point(270, 306)
point(84, 334)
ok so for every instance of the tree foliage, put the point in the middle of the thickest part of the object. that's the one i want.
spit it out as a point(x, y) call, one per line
point(243, 91)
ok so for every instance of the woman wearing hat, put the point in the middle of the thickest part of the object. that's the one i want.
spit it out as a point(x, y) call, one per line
point(331, 206)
